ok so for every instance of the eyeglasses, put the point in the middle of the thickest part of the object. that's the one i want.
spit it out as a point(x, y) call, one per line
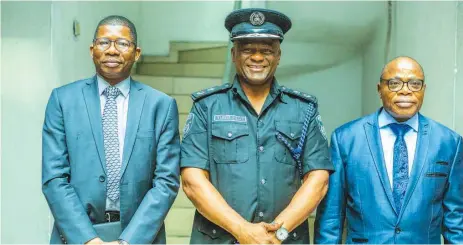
point(121, 44)
point(395, 84)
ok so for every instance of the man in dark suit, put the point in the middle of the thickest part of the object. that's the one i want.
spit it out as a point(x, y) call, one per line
point(110, 147)
point(398, 174)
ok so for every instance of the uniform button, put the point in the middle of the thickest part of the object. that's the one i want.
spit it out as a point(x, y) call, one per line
point(102, 178)
point(261, 148)
point(263, 181)
point(398, 230)
point(261, 214)
point(229, 134)
point(214, 231)
point(294, 234)
point(292, 134)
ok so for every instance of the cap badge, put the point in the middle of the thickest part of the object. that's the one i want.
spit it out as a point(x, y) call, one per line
point(257, 18)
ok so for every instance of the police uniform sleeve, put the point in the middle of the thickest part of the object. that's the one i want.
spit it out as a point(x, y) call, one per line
point(316, 151)
point(194, 147)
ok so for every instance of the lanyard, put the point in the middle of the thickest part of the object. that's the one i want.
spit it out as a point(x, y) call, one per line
point(296, 152)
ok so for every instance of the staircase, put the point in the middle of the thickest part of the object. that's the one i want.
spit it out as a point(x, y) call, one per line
point(188, 68)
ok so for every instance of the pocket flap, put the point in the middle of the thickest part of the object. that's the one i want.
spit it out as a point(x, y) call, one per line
point(212, 231)
point(436, 174)
point(445, 163)
point(291, 130)
point(229, 131)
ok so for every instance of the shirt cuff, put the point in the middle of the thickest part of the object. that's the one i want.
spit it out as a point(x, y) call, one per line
point(194, 163)
point(318, 164)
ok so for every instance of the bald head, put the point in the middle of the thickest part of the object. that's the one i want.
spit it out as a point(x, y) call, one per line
point(404, 65)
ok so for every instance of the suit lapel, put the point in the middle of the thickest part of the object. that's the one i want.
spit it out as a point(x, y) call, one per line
point(421, 154)
point(374, 143)
point(92, 101)
point(136, 102)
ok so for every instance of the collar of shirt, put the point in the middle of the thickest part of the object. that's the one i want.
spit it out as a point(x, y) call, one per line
point(384, 119)
point(124, 86)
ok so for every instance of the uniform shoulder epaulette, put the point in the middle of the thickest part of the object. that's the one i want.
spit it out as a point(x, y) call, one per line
point(209, 91)
point(298, 94)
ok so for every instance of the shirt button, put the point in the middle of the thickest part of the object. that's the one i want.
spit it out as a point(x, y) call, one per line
point(294, 234)
point(261, 148)
point(398, 230)
point(229, 134)
point(262, 181)
point(102, 178)
point(292, 134)
point(214, 231)
point(261, 214)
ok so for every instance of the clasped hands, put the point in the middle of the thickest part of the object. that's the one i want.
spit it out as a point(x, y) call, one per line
point(260, 233)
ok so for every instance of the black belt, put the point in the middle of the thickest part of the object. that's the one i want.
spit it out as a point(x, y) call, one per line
point(112, 216)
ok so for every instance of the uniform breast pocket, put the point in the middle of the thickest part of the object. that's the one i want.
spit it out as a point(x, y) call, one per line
point(229, 142)
point(291, 131)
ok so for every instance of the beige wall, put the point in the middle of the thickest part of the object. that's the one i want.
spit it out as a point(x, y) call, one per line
point(26, 83)
point(338, 90)
point(431, 32)
point(38, 53)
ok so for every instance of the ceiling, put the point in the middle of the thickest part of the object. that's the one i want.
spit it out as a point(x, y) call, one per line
point(326, 33)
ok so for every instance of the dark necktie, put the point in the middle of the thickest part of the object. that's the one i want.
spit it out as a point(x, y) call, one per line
point(111, 142)
point(400, 164)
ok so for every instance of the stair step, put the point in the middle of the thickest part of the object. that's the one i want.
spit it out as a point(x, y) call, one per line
point(179, 222)
point(209, 55)
point(163, 84)
point(182, 46)
point(177, 85)
point(177, 47)
point(184, 103)
point(211, 70)
point(189, 85)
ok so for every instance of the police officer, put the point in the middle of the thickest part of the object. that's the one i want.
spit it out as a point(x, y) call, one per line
point(255, 159)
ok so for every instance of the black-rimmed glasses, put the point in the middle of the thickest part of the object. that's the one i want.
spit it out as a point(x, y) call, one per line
point(396, 84)
point(121, 44)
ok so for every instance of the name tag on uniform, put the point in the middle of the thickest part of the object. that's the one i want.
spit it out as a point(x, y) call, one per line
point(230, 118)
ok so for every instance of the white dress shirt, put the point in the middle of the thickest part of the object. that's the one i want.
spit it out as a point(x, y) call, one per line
point(122, 107)
point(388, 139)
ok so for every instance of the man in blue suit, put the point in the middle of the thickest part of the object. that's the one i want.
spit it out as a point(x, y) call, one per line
point(399, 174)
point(110, 148)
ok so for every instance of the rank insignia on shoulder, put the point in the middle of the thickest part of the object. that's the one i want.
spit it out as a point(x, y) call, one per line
point(301, 95)
point(209, 91)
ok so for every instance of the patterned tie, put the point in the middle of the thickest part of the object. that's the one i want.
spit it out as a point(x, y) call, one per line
point(400, 164)
point(111, 142)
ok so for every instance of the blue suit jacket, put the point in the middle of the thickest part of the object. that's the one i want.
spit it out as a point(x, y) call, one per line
point(359, 190)
point(74, 166)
